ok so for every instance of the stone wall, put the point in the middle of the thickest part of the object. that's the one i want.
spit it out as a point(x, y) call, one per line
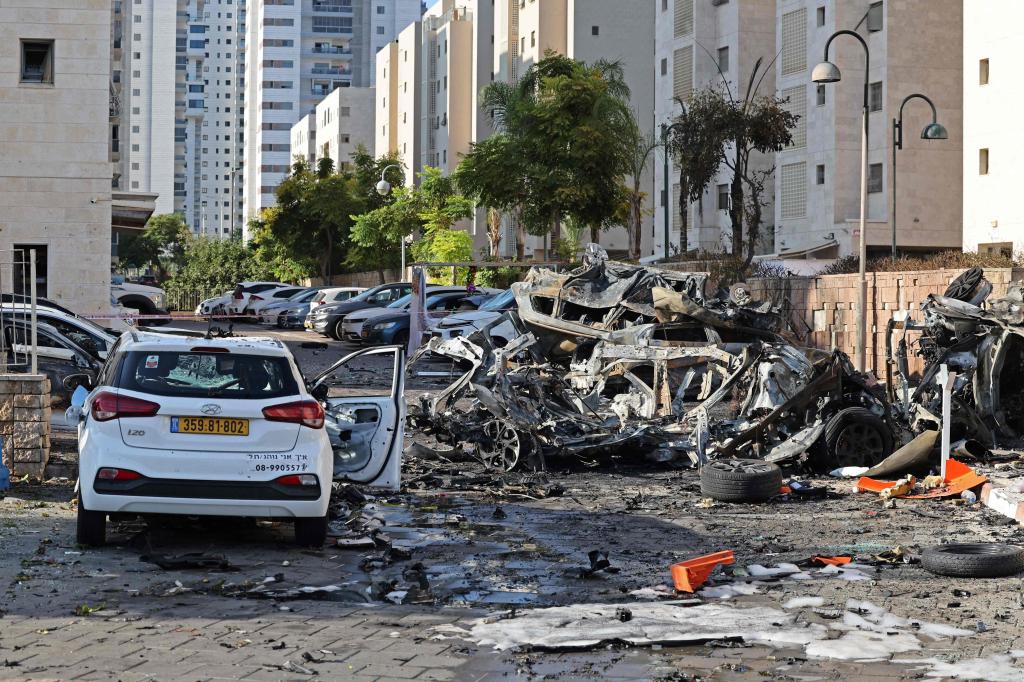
point(828, 305)
point(25, 423)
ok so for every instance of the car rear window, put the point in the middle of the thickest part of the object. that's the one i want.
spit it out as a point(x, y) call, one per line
point(205, 375)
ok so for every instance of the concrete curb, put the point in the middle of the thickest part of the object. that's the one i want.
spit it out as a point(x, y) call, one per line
point(998, 497)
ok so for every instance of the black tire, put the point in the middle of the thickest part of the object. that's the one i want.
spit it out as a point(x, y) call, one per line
point(335, 331)
point(854, 436)
point(974, 560)
point(740, 480)
point(966, 285)
point(311, 532)
point(91, 529)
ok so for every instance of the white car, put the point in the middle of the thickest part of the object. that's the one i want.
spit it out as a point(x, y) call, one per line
point(182, 424)
point(257, 302)
point(84, 333)
point(234, 302)
point(468, 321)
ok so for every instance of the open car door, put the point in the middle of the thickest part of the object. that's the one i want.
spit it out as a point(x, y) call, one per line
point(366, 425)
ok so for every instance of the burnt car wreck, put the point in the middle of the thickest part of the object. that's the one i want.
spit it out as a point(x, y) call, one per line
point(613, 357)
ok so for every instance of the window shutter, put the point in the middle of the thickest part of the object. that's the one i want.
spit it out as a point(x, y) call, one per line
point(683, 18)
point(794, 191)
point(794, 41)
point(797, 105)
point(682, 72)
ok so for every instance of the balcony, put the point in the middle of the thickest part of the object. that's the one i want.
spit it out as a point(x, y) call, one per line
point(330, 49)
point(331, 71)
point(333, 6)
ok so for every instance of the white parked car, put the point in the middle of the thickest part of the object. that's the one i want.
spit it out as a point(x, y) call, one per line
point(468, 321)
point(234, 302)
point(258, 302)
point(85, 333)
point(182, 424)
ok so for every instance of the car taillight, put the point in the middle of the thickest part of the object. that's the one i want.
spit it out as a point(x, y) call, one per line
point(110, 474)
point(306, 412)
point(107, 406)
point(297, 480)
point(236, 296)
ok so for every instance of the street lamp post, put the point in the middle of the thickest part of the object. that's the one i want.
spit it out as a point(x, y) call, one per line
point(827, 72)
point(383, 189)
point(932, 131)
point(665, 203)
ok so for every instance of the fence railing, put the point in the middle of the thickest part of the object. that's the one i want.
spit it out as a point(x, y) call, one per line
point(19, 341)
point(188, 300)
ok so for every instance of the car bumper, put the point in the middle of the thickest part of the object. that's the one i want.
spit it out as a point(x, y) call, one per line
point(381, 337)
point(319, 326)
point(352, 334)
point(290, 321)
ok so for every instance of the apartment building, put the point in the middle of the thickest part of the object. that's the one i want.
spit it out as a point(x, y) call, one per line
point(179, 126)
point(344, 123)
point(303, 145)
point(299, 52)
point(700, 45)
point(55, 181)
point(915, 47)
point(993, 220)
point(586, 30)
point(399, 100)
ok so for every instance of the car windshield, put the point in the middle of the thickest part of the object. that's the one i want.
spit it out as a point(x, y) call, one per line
point(403, 302)
point(304, 296)
point(363, 296)
point(502, 301)
point(207, 375)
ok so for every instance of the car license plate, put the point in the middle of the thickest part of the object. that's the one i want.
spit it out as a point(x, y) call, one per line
point(210, 426)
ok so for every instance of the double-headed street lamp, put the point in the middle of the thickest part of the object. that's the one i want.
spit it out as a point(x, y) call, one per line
point(384, 189)
point(932, 131)
point(827, 72)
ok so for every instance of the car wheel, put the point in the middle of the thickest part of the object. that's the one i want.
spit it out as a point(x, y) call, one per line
point(401, 338)
point(740, 480)
point(854, 437)
point(311, 532)
point(501, 446)
point(336, 333)
point(974, 560)
point(92, 527)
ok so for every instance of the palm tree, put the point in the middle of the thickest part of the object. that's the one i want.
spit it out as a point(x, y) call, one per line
point(640, 147)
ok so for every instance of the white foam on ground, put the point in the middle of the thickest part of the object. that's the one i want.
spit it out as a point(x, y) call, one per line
point(728, 591)
point(998, 668)
point(803, 602)
point(864, 645)
point(759, 571)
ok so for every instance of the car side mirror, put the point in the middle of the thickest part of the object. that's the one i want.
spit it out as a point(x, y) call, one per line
point(320, 391)
point(78, 382)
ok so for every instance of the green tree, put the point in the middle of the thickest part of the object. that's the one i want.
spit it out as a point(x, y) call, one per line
point(270, 253)
point(160, 246)
point(560, 145)
point(212, 266)
point(640, 147)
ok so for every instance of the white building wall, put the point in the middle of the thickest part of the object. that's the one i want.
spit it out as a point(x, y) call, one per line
point(55, 173)
point(993, 217)
point(343, 123)
point(303, 144)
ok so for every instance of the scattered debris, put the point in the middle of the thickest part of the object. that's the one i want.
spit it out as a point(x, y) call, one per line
point(974, 560)
point(689, 575)
point(179, 562)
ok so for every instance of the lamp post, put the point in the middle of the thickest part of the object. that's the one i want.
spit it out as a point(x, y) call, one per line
point(665, 202)
point(932, 131)
point(383, 189)
point(827, 72)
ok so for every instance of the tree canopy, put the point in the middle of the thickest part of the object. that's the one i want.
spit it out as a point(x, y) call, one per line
point(159, 246)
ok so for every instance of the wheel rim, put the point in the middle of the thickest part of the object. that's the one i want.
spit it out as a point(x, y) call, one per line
point(963, 286)
point(859, 445)
point(500, 448)
point(745, 466)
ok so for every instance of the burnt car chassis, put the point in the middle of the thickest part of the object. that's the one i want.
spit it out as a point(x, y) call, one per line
point(645, 362)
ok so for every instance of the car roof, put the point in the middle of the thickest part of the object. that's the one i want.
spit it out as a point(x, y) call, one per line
point(337, 289)
point(155, 341)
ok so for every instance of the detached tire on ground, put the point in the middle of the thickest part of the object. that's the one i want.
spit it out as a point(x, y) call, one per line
point(854, 437)
point(974, 560)
point(740, 480)
point(311, 532)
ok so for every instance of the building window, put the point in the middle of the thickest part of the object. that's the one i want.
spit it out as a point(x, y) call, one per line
point(682, 72)
point(983, 72)
point(874, 178)
point(37, 61)
point(1004, 249)
point(664, 5)
point(380, 9)
point(983, 161)
point(794, 41)
point(875, 96)
point(682, 23)
point(723, 197)
point(819, 174)
point(794, 191)
point(821, 16)
point(664, 67)
point(875, 15)
point(723, 59)
point(821, 95)
point(595, 30)
point(380, 30)
point(533, 38)
point(795, 102)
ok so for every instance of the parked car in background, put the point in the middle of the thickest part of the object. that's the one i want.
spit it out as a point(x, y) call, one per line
point(257, 302)
point(149, 302)
point(177, 424)
point(293, 315)
point(465, 323)
point(327, 319)
point(391, 324)
point(269, 312)
point(86, 334)
point(145, 280)
point(63, 361)
point(234, 302)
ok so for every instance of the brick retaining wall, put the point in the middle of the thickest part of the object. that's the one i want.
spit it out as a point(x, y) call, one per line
point(25, 423)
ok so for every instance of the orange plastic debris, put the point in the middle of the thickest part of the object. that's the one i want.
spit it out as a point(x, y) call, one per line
point(959, 477)
point(689, 575)
point(832, 560)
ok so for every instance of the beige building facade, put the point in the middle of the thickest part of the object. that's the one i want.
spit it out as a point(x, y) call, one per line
point(304, 139)
point(916, 47)
point(398, 100)
point(55, 170)
point(344, 123)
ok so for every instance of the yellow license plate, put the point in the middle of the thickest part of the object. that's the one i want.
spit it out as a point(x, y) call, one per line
point(210, 426)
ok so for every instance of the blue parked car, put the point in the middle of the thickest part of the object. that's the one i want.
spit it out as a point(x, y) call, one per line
point(390, 325)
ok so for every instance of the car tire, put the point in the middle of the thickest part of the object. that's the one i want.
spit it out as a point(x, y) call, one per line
point(853, 437)
point(974, 560)
point(740, 480)
point(336, 333)
point(311, 532)
point(91, 530)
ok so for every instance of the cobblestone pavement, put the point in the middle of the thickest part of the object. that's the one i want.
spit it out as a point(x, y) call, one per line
point(102, 614)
